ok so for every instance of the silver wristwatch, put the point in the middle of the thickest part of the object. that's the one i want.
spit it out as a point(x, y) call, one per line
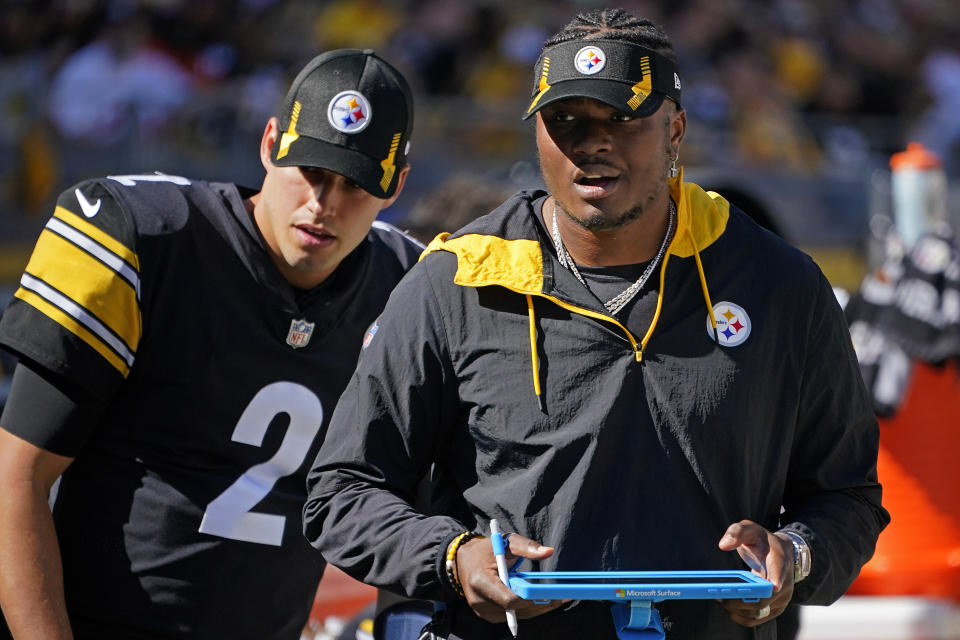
point(801, 555)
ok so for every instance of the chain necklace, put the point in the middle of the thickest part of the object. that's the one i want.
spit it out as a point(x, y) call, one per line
point(615, 304)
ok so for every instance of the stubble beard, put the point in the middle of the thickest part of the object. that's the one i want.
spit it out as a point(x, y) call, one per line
point(600, 221)
point(603, 222)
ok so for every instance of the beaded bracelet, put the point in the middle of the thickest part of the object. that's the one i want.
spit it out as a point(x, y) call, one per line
point(451, 560)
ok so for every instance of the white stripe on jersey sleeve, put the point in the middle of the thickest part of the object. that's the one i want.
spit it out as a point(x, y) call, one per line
point(112, 260)
point(79, 314)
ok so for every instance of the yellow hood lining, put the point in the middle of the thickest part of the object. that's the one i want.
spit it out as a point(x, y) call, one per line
point(485, 260)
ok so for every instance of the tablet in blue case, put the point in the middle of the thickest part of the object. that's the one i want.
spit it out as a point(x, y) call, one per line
point(652, 586)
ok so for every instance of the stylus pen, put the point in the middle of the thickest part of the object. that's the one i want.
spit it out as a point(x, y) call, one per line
point(499, 551)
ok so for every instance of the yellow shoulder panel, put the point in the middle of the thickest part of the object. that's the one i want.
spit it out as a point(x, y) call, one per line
point(488, 260)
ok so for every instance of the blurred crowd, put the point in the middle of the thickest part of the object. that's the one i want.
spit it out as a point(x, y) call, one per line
point(105, 86)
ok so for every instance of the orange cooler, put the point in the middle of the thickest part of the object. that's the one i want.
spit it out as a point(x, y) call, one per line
point(919, 468)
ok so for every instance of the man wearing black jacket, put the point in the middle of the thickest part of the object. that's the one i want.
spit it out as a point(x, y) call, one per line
point(624, 370)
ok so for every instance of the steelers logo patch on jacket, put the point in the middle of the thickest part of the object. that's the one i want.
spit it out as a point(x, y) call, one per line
point(733, 324)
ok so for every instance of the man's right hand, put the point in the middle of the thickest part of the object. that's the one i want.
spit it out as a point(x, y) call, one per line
point(486, 594)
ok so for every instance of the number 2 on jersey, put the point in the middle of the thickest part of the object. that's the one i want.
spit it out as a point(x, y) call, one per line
point(230, 514)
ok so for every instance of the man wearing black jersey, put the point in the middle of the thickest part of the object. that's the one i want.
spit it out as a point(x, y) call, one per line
point(182, 345)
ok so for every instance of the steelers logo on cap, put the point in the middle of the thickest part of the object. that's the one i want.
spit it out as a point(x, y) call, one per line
point(733, 324)
point(590, 60)
point(349, 112)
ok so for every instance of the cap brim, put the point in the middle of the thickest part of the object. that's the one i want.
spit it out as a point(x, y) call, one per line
point(353, 165)
point(610, 92)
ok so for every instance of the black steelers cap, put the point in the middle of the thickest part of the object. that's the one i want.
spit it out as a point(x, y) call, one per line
point(350, 112)
point(624, 75)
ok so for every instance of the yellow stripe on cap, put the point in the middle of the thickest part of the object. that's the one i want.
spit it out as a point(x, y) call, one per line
point(544, 85)
point(291, 134)
point(642, 89)
point(388, 165)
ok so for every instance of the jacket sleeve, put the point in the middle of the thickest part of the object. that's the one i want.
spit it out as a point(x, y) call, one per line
point(384, 434)
point(833, 495)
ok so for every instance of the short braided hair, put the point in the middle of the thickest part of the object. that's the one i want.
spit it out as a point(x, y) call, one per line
point(616, 24)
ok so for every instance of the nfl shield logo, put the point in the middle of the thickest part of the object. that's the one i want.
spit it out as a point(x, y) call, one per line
point(299, 334)
point(372, 331)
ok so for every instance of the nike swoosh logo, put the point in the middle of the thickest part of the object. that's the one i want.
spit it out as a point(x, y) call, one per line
point(89, 210)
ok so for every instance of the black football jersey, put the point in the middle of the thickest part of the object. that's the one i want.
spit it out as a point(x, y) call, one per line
point(181, 513)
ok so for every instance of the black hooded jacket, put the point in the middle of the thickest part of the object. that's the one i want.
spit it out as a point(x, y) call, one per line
point(627, 443)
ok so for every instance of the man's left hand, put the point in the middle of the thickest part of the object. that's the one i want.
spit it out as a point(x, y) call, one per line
point(769, 556)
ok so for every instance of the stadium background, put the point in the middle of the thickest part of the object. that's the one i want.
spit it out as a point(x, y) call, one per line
point(794, 106)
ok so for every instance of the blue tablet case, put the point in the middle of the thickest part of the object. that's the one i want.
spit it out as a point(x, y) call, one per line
point(634, 592)
point(639, 585)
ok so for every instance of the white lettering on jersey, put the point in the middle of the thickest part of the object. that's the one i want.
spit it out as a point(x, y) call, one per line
point(230, 514)
point(132, 180)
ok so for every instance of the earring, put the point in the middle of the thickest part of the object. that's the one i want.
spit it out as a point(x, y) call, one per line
point(674, 171)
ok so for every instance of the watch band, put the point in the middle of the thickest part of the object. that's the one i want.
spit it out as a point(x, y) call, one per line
point(802, 558)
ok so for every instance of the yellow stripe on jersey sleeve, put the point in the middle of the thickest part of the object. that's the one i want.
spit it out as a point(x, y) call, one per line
point(88, 282)
point(74, 327)
point(93, 232)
